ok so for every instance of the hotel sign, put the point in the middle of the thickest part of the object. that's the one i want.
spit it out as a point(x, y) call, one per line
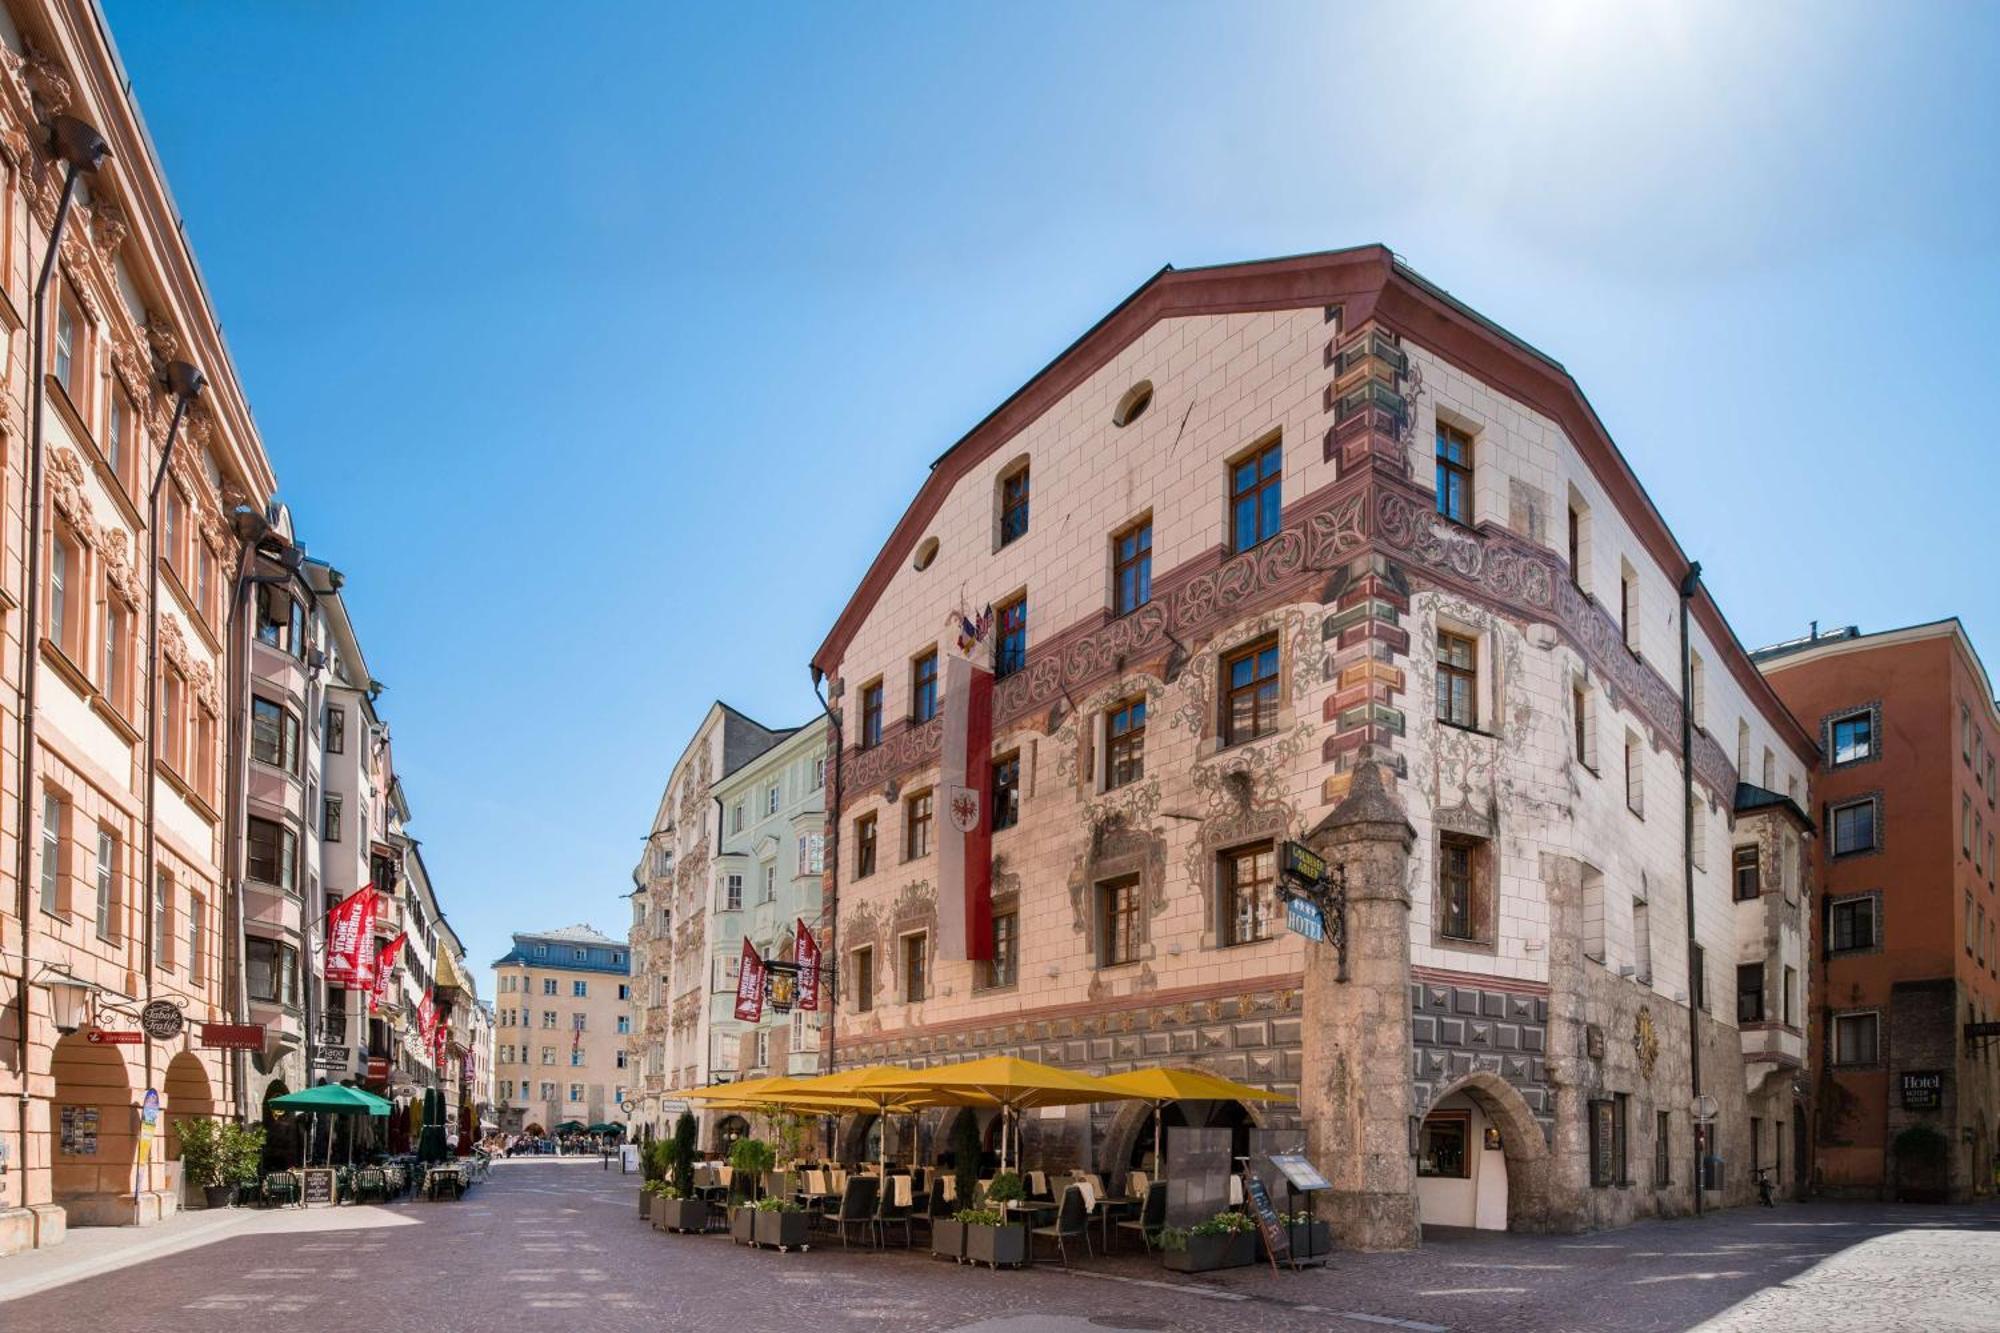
point(1923, 1089)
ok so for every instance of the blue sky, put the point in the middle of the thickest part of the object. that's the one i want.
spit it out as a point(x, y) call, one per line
point(603, 356)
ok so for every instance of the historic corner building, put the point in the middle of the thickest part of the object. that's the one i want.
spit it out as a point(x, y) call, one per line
point(1307, 550)
point(563, 1000)
point(1908, 968)
point(735, 853)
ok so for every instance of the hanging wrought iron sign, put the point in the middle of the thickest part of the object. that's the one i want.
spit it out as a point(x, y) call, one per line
point(1315, 895)
point(162, 1020)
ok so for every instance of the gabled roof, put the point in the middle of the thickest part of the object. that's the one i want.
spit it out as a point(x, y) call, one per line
point(1369, 283)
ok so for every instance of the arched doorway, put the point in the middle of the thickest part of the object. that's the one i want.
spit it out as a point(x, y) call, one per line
point(95, 1119)
point(189, 1094)
point(1481, 1158)
point(1129, 1143)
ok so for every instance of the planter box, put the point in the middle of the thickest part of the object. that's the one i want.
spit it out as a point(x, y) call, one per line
point(947, 1238)
point(680, 1215)
point(1205, 1254)
point(1310, 1239)
point(742, 1225)
point(645, 1205)
point(218, 1196)
point(997, 1245)
point(786, 1231)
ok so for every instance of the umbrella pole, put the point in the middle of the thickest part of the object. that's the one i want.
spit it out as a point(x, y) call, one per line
point(1159, 1157)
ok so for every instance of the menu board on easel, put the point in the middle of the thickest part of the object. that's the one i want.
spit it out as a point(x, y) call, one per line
point(1276, 1242)
point(319, 1185)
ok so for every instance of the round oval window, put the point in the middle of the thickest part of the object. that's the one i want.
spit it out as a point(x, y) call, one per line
point(1134, 404)
point(926, 552)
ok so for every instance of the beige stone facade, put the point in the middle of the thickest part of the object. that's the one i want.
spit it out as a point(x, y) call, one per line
point(1517, 904)
point(562, 1023)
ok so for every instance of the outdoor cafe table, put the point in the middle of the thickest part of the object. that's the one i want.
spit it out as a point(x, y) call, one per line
point(441, 1176)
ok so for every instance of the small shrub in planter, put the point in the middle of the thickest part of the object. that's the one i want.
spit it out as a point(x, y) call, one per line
point(1227, 1240)
point(671, 1212)
point(1309, 1235)
point(991, 1239)
point(779, 1222)
point(1006, 1187)
point(205, 1159)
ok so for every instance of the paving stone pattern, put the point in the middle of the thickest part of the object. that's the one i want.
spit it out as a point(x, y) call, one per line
point(558, 1245)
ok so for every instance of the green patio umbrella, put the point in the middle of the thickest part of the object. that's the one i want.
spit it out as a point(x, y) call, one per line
point(332, 1099)
point(606, 1128)
point(571, 1127)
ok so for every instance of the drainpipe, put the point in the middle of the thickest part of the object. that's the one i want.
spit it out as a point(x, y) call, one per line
point(84, 150)
point(185, 383)
point(830, 911)
point(1690, 584)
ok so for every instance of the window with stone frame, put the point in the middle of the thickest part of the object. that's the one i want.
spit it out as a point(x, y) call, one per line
point(273, 853)
point(1132, 567)
point(1583, 722)
point(1248, 888)
point(1749, 992)
point(1006, 791)
point(865, 829)
point(54, 868)
point(1256, 496)
point(924, 686)
point(1119, 923)
point(1250, 692)
point(1635, 774)
point(1125, 743)
point(1457, 679)
point(1852, 825)
point(871, 715)
point(1454, 473)
point(1851, 738)
point(1010, 646)
point(1855, 1039)
point(1014, 494)
point(917, 825)
point(1001, 970)
point(916, 963)
point(68, 597)
point(861, 990)
point(1607, 1140)
point(1663, 1154)
point(1748, 873)
point(1465, 909)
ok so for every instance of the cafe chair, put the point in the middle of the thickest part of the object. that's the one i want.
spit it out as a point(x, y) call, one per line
point(1072, 1223)
point(857, 1208)
point(1152, 1217)
point(894, 1211)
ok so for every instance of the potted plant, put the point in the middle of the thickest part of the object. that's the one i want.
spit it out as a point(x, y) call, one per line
point(674, 1212)
point(948, 1237)
point(779, 1222)
point(991, 1239)
point(205, 1160)
point(1309, 1235)
point(1007, 1187)
point(681, 1155)
point(652, 1171)
point(1227, 1240)
point(243, 1159)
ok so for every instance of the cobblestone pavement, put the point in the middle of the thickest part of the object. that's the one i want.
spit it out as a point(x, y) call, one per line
point(550, 1244)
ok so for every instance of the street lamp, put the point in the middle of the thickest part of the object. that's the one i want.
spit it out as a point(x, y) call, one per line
point(69, 996)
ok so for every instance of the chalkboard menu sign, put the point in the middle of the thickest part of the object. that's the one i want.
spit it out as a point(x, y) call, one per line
point(319, 1186)
point(1276, 1242)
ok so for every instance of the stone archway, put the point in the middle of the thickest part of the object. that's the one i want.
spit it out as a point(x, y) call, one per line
point(94, 1121)
point(189, 1095)
point(1530, 1167)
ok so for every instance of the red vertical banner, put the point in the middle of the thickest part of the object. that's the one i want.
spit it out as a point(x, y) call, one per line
point(426, 1018)
point(806, 949)
point(350, 954)
point(750, 985)
point(378, 990)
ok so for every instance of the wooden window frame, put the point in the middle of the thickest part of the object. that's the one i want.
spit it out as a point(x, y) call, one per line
point(1016, 486)
point(1125, 750)
point(1006, 812)
point(1833, 815)
point(1227, 721)
point(871, 714)
point(1746, 858)
point(1750, 1006)
point(1137, 563)
point(914, 965)
point(919, 825)
point(1003, 969)
point(1451, 674)
point(1120, 921)
point(1248, 529)
point(1452, 1119)
point(862, 961)
point(1234, 889)
point(924, 686)
point(1010, 619)
point(1454, 474)
point(867, 844)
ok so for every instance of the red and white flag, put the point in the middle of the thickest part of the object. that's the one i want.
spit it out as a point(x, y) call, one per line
point(806, 949)
point(426, 1018)
point(965, 843)
point(384, 961)
point(350, 950)
point(749, 985)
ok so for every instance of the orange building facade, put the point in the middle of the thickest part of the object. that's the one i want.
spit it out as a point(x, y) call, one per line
point(1907, 961)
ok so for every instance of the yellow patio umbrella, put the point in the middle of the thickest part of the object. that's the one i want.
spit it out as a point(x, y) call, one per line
point(1017, 1084)
point(889, 1090)
point(1160, 1085)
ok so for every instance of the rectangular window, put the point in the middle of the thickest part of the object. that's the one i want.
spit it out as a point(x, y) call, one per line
point(336, 730)
point(1014, 505)
point(1697, 690)
point(273, 853)
point(1698, 977)
point(917, 826)
point(1579, 704)
point(1663, 1153)
point(54, 816)
point(871, 715)
point(1256, 505)
point(1855, 1039)
point(273, 969)
point(1006, 792)
point(1456, 919)
point(770, 893)
point(1852, 924)
point(1250, 693)
point(1578, 516)
point(107, 885)
point(1010, 650)
point(1125, 744)
point(1000, 969)
point(1635, 774)
point(120, 412)
point(1628, 605)
point(111, 664)
point(1854, 827)
point(1854, 737)
point(66, 344)
point(1248, 878)
point(549, 988)
point(1749, 875)
point(1118, 922)
point(197, 961)
point(60, 563)
point(732, 893)
point(1454, 473)
point(924, 687)
point(579, 990)
point(913, 968)
point(1457, 680)
point(864, 846)
point(1132, 568)
point(280, 620)
point(274, 735)
point(1750, 993)
point(1642, 941)
point(330, 819)
point(163, 916)
point(736, 817)
point(1607, 1141)
point(1790, 999)
point(1444, 1145)
point(864, 980)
